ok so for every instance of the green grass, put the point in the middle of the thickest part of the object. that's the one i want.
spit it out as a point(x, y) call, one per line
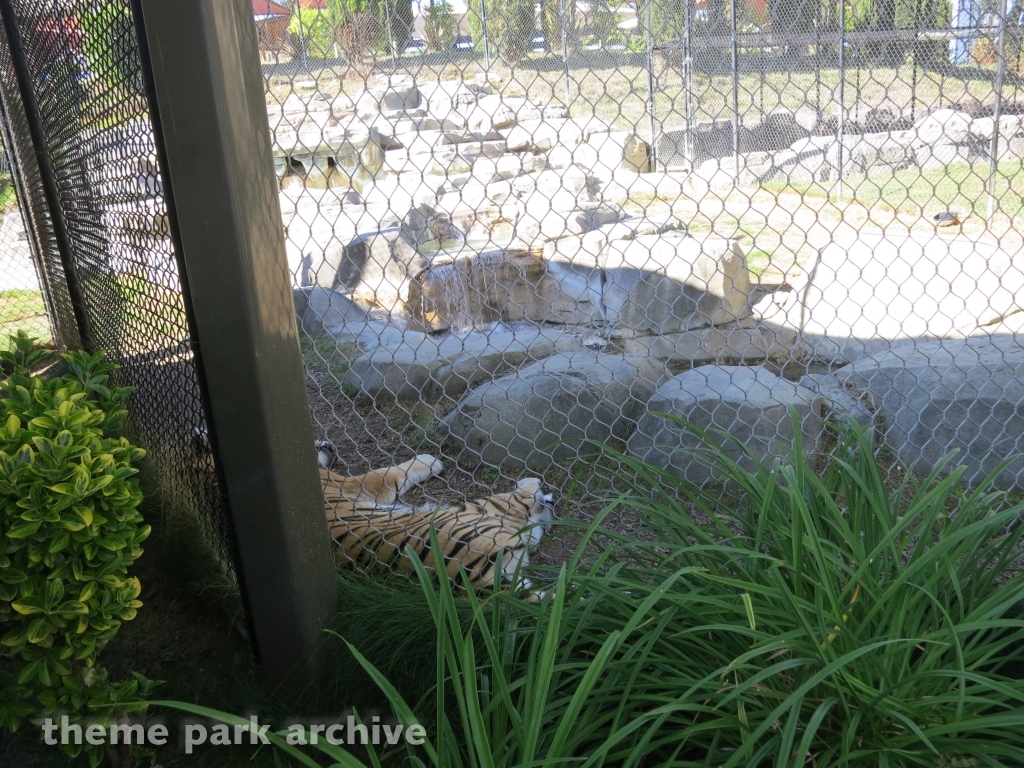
point(827, 619)
point(961, 187)
point(23, 310)
point(326, 356)
point(7, 196)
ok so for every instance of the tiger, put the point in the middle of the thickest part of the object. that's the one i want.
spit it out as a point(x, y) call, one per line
point(371, 530)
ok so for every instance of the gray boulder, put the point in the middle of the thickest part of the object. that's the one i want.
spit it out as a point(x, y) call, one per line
point(657, 284)
point(328, 313)
point(842, 400)
point(723, 344)
point(376, 268)
point(426, 367)
point(964, 394)
point(751, 405)
point(545, 412)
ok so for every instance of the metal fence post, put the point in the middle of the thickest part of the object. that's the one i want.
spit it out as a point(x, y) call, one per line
point(483, 33)
point(565, 52)
point(688, 84)
point(650, 83)
point(735, 96)
point(48, 177)
point(212, 114)
point(997, 114)
point(841, 122)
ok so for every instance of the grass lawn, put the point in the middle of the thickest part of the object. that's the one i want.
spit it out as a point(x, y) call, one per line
point(23, 310)
point(960, 187)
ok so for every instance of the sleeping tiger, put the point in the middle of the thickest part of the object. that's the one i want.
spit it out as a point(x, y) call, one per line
point(371, 531)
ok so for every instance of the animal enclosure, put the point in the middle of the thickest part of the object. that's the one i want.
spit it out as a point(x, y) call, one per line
point(501, 249)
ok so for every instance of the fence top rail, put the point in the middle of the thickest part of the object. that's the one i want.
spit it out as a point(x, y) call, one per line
point(778, 39)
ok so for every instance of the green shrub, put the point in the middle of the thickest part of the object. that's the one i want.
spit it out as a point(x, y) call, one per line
point(363, 25)
point(69, 530)
point(109, 44)
point(312, 30)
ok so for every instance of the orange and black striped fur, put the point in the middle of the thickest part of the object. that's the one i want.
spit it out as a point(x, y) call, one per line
point(372, 531)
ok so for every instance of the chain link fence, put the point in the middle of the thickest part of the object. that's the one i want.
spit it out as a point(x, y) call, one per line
point(96, 268)
point(515, 227)
point(22, 307)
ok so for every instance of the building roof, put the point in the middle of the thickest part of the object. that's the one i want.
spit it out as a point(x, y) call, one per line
point(265, 8)
point(318, 5)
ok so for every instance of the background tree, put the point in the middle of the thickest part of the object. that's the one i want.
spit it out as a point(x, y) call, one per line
point(510, 28)
point(440, 27)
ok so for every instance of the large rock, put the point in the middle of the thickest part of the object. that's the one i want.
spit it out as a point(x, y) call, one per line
point(542, 223)
point(505, 286)
point(724, 345)
point(377, 268)
point(944, 126)
point(657, 284)
point(842, 400)
point(471, 290)
point(326, 313)
point(427, 367)
point(963, 394)
point(545, 411)
point(497, 112)
point(751, 405)
point(859, 296)
point(387, 99)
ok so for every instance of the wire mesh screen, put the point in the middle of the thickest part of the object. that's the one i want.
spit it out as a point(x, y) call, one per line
point(515, 227)
point(22, 307)
point(81, 87)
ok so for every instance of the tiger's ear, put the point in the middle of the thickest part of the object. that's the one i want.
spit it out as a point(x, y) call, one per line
point(529, 485)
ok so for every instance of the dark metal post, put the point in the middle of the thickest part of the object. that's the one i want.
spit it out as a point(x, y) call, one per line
point(997, 114)
point(650, 84)
point(735, 96)
point(841, 125)
point(688, 84)
point(565, 51)
point(212, 115)
point(483, 31)
point(34, 120)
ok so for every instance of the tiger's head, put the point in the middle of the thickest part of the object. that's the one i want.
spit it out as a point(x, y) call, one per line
point(530, 490)
point(326, 453)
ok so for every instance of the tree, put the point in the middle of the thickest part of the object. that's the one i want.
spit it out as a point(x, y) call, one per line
point(510, 27)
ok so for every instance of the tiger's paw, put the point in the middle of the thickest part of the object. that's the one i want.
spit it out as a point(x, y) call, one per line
point(424, 466)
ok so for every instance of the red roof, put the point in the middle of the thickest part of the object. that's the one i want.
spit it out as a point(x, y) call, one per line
point(269, 8)
point(318, 5)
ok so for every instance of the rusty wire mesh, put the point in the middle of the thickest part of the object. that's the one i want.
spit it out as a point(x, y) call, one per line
point(513, 227)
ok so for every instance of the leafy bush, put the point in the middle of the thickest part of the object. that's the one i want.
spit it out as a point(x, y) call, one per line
point(819, 619)
point(69, 530)
point(313, 32)
point(108, 41)
point(363, 25)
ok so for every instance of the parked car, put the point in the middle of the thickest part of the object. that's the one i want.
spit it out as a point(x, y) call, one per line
point(415, 45)
point(463, 42)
